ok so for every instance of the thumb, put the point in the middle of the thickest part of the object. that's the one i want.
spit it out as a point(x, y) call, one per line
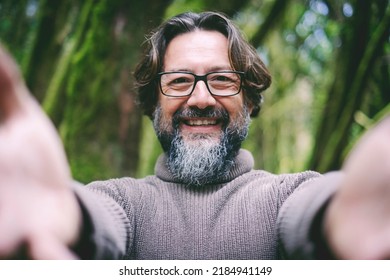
point(373, 147)
point(48, 248)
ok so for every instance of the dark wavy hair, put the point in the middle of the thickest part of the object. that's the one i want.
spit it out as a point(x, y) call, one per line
point(242, 56)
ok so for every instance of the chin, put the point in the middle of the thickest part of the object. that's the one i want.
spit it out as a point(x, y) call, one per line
point(199, 137)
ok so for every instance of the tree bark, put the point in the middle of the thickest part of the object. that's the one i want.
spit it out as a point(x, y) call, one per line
point(354, 66)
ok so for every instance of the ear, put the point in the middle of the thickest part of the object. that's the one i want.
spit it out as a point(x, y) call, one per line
point(250, 107)
point(249, 104)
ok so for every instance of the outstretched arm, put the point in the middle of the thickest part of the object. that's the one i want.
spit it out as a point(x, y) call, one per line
point(39, 214)
point(357, 222)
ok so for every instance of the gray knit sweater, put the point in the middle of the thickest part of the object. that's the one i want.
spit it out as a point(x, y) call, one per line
point(250, 214)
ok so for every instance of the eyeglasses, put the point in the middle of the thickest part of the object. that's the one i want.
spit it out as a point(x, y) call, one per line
point(219, 83)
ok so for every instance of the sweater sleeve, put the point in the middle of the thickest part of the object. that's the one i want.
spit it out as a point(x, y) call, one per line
point(105, 226)
point(299, 225)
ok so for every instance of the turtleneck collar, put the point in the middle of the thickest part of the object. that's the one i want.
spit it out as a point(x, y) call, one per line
point(243, 163)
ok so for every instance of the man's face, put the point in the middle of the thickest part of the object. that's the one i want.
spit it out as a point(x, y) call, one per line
point(200, 130)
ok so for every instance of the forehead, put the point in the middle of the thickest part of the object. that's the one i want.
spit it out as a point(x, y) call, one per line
point(197, 51)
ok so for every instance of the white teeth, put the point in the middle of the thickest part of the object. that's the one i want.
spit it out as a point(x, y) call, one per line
point(202, 122)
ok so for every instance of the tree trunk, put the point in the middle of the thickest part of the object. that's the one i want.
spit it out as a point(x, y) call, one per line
point(101, 123)
point(354, 64)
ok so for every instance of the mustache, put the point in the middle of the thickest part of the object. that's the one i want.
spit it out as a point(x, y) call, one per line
point(219, 113)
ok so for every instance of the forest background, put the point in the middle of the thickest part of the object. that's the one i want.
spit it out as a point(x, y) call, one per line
point(330, 62)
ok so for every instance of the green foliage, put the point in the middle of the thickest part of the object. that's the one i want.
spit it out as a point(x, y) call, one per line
point(87, 126)
point(18, 26)
point(328, 59)
point(150, 148)
point(181, 6)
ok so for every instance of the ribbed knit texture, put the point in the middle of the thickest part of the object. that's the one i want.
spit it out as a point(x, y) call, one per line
point(157, 218)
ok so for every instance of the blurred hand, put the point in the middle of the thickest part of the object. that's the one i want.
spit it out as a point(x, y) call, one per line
point(357, 222)
point(39, 215)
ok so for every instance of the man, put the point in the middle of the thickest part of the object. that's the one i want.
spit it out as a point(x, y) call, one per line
point(200, 82)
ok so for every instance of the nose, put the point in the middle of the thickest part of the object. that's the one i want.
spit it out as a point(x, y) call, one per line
point(201, 97)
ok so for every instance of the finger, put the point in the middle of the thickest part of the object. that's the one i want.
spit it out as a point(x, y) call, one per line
point(11, 84)
point(10, 246)
point(373, 147)
point(384, 125)
point(45, 247)
point(11, 233)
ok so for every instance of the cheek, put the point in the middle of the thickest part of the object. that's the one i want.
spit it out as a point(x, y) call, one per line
point(169, 106)
point(234, 107)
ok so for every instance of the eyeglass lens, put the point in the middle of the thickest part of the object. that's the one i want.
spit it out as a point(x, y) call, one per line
point(218, 83)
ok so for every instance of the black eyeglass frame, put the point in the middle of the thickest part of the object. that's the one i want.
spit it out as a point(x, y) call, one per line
point(201, 78)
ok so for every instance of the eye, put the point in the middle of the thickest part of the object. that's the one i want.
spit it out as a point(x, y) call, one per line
point(179, 80)
point(220, 78)
point(223, 78)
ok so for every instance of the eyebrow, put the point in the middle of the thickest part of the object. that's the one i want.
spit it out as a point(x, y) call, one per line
point(209, 69)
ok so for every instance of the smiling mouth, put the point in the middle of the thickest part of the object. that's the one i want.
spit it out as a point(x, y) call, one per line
point(201, 122)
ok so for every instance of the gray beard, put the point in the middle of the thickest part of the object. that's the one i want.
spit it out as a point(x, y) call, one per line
point(202, 159)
